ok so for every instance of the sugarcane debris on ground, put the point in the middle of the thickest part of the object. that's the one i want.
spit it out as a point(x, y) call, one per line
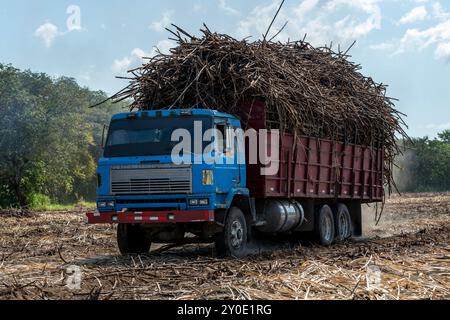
point(406, 257)
point(309, 91)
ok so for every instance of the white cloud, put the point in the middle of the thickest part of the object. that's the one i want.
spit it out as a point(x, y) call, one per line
point(441, 126)
point(258, 20)
point(382, 46)
point(138, 55)
point(443, 51)
point(305, 7)
point(120, 65)
point(439, 12)
point(164, 47)
point(165, 21)
point(416, 14)
point(225, 7)
point(135, 58)
point(437, 36)
point(323, 21)
point(47, 33)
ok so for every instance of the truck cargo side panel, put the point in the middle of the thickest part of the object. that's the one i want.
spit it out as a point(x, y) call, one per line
point(315, 168)
point(318, 168)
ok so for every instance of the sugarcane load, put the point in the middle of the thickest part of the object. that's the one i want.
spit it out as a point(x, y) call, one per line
point(334, 129)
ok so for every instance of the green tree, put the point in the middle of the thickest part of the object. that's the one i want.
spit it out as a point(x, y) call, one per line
point(425, 164)
point(444, 136)
point(49, 137)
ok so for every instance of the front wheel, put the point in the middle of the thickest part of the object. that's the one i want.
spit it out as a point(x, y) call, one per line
point(232, 241)
point(131, 239)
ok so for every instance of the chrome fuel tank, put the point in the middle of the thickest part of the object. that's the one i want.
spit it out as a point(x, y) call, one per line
point(280, 215)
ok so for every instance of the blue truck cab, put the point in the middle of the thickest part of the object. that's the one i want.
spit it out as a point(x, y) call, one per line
point(168, 173)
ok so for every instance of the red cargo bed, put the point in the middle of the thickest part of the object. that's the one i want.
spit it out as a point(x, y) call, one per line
point(316, 168)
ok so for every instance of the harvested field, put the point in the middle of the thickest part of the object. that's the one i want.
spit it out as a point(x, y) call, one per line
point(406, 257)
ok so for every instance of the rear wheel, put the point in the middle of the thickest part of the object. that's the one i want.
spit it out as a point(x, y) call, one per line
point(131, 239)
point(343, 223)
point(325, 225)
point(232, 241)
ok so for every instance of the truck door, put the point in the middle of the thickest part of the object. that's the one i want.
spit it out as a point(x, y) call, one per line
point(227, 167)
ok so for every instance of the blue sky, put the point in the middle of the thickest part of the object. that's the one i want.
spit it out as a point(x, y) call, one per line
point(403, 43)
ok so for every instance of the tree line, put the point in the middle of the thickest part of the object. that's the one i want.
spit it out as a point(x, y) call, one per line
point(50, 142)
point(424, 165)
point(49, 138)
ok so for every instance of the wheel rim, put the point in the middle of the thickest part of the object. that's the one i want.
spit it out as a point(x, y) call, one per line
point(327, 225)
point(344, 226)
point(237, 234)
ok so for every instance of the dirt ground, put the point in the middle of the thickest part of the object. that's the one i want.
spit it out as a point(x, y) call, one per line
point(56, 255)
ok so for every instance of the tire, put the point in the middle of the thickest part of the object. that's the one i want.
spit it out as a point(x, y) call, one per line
point(343, 223)
point(325, 230)
point(131, 239)
point(232, 241)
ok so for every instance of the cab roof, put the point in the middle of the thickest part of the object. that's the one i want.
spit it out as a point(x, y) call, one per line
point(173, 113)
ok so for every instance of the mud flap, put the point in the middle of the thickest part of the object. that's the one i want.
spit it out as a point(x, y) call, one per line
point(356, 215)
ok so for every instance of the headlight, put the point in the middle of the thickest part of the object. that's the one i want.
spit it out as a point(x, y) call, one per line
point(110, 204)
point(208, 178)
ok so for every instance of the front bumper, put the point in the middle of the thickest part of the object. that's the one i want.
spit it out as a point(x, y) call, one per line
point(149, 217)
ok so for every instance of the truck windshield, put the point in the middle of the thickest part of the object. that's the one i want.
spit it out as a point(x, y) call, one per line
point(148, 136)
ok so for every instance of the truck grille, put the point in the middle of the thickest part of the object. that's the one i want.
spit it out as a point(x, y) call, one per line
point(151, 179)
